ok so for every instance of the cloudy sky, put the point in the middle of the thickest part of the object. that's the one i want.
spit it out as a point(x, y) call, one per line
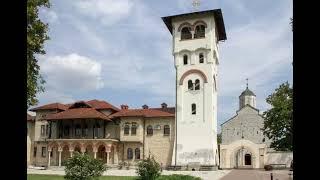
point(120, 51)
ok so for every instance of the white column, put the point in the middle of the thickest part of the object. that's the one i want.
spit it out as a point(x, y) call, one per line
point(49, 153)
point(115, 156)
point(71, 153)
point(95, 154)
point(59, 158)
point(108, 157)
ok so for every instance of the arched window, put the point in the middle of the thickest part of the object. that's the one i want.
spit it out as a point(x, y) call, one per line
point(85, 131)
point(149, 130)
point(129, 153)
point(133, 129)
point(78, 130)
point(193, 108)
point(137, 153)
point(185, 59)
point(197, 85)
point(126, 129)
point(186, 33)
point(166, 130)
point(66, 131)
point(201, 58)
point(199, 31)
point(190, 85)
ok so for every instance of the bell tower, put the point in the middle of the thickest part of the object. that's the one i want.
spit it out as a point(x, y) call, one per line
point(195, 38)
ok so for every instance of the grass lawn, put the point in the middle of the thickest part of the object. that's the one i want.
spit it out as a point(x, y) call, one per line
point(55, 177)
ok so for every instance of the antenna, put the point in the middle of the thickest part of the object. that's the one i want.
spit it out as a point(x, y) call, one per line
point(195, 4)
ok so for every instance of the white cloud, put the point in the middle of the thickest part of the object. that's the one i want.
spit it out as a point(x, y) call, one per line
point(52, 96)
point(49, 15)
point(107, 11)
point(71, 73)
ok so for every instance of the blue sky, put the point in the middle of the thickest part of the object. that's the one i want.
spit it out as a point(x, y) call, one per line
point(120, 51)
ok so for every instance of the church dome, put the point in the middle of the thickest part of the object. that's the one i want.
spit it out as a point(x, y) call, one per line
point(247, 92)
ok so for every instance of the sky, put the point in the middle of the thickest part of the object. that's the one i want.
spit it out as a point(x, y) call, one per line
point(121, 52)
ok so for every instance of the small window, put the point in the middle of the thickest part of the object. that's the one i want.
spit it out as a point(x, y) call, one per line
point(66, 130)
point(47, 130)
point(149, 130)
point(51, 153)
point(129, 153)
point(78, 130)
point(186, 33)
point(201, 58)
point(43, 127)
point(34, 151)
point(85, 131)
point(257, 132)
point(133, 129)
point(97, 130)
point(193, 108)
point(137, 153)
point(166, 130)
point(185, 59)
point(199, 31)
point(43, 152)
point(126, 130)
point(190, 85)
point(197, 85)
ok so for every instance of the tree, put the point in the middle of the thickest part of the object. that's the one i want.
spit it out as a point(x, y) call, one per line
point(36, 36)
point(148, 169)
point(83, 167)
point(278, 123)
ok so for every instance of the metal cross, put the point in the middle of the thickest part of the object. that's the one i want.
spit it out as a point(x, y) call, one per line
point(195, 4)
point(247, 82)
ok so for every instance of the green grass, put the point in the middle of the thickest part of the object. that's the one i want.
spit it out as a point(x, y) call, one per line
point(55, 177)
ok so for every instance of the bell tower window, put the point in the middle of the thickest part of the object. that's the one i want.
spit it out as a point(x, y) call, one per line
point(199, 32)
point(197, 85)
point(201, 58)
point(185, 59)
point(190, 85)
point(186, 33)
point(193, 108)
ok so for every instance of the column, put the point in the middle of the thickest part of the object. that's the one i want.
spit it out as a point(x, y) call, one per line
point(60, 158)
point(49, 156)
point(108, 157)
point(95, 154)
point(71, 153)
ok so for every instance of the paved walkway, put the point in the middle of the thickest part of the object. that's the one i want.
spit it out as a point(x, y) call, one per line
point(205, 175)
point(257, 175)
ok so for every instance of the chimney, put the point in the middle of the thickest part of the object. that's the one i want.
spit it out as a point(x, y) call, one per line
point(145, 107)
point(124, 106)
point(164, 105)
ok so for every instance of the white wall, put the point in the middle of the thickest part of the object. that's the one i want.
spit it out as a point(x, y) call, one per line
point(279, 158)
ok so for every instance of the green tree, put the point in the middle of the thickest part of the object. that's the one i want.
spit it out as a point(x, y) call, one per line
point(83, 167)
point(148, 169)
point(36, 36)
point(278, 123)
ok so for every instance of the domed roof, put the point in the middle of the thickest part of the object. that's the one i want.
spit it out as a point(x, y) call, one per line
point(247, 92)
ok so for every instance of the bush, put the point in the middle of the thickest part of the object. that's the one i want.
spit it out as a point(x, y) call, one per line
point(83, 167)
point(178, 177)
point(268, 167)
point(148, 169)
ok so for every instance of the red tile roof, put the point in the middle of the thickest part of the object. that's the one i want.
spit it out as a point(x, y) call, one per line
point(170, 110)
point(51, 106)
point(78, 113)
point(102, 105)
point(141, 113)
point(30, 118)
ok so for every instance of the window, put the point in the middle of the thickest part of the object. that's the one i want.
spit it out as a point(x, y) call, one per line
point(43, 152)
point(185, 59)
point(186, 33)
point(126, 129)
point(257, 132)
point(133, 129)
point(193, 108)
point(199, 31)
point(201, 58)
point(166, 130)
point(97, 130)
point(78, 130)
point(43, 127)
point(66, 131)
point(85, 131)
point(149, 130)
point(51, 153)
point(190, 85)
point(197, 85)
point(129, 153)
point(34, 151)
point(47, 130)
point(263, 140)
point(137, 153)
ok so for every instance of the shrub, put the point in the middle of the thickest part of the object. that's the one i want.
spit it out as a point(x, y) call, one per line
point(268, 167)
point(178, 177)
point(148, 169)
point(83, 167)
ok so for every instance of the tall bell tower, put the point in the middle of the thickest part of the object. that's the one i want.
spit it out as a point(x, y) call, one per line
point(196, 58)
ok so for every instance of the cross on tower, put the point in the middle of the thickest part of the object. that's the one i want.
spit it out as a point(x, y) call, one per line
point(247, 82)
point(195, 4)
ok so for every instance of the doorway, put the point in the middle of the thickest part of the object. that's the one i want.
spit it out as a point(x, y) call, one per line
point(247, 159)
